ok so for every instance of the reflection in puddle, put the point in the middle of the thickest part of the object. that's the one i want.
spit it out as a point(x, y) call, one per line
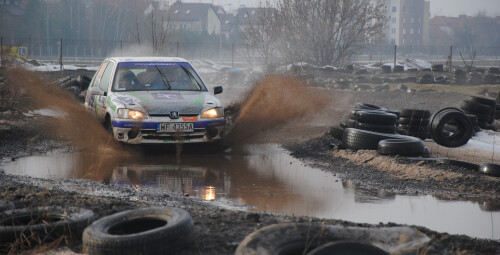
point(268, 179)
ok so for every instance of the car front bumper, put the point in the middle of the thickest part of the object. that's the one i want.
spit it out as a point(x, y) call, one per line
point(134, 132)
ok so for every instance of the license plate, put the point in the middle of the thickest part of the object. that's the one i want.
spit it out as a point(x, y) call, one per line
point(175, 127)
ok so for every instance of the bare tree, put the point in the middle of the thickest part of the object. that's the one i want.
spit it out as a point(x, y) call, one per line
point(152, 25)
point(261, 32)
point(330, 31)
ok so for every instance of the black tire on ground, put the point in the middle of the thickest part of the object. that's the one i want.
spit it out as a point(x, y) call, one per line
point(43, 223)
point(336, 132)
point(347, 247)
point(470, 106)
point(483, 100)
point(343, 121)
point(409, 146)
point(376, 117)
point(369, 106)
point(156, 230)
point(386, 129)
point(490, 169)
point(443, 109)
point(395, 112)
point(414, 121)
point(402, 131)
point(464, 128)
point(352, 113)
point(415, 113)
point(459, 163)
point(357, 139)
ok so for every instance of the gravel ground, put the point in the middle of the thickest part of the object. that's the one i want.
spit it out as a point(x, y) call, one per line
point(220, 228)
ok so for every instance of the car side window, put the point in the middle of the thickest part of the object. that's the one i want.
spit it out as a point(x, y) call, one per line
point(98, 75)
point(106, 77)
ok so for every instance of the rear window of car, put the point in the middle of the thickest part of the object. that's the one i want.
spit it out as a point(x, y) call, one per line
point(145, 76)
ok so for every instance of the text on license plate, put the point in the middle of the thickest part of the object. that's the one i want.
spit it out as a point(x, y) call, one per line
point(175, 127)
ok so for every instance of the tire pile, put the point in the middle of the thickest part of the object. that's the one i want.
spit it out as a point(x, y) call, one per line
point(390, 132)
point(483, 109)
point(371, 127)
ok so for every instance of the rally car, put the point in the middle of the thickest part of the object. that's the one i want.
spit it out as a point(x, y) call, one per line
point(146, 100)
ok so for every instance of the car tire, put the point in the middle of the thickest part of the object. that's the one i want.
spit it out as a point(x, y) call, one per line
point(357, 139)
point(156, 230)
point(413, 128)
point(43, 223)
point(347, 247)
point(490, 169)
point(409, 146)
point(6, 205)
point(443, 109)
point(438, 124)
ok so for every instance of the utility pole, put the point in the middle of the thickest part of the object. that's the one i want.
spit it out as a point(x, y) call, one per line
point(60, 55)
point(395, 52)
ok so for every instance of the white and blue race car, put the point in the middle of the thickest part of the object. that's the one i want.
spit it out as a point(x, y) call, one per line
point(146, 100)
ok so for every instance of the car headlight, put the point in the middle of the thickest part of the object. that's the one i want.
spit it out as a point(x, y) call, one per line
point(212, 113)
point(131, 114)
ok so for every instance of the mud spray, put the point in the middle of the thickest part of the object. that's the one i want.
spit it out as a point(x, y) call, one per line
point(274, 102)
point(76, 124)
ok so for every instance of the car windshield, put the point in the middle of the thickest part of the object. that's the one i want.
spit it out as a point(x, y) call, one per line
point(144, 76)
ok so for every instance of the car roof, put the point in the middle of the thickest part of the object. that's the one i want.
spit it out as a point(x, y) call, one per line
point(147, 59)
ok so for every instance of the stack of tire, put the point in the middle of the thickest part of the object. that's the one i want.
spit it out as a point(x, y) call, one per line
point(371, 127)
point(372, 118)
point(415, 122)
point(485, 110)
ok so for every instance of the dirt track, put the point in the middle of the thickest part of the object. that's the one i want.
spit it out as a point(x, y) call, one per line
point(218, 231)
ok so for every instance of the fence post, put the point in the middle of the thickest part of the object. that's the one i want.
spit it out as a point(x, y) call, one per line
point(232, 59)
point(121, 48)
point(450, 59)
point(1, 51)
point(177, 49)
point(60, 55)
point(395, 51)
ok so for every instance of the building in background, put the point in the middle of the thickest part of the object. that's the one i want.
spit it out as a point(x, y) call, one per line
point(408, 22)
point(195, 17)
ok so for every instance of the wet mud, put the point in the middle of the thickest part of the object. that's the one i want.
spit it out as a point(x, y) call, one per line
point(218, 231)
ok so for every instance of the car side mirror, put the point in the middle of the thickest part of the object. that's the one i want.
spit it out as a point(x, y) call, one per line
point(105, 94)
point(217, 90)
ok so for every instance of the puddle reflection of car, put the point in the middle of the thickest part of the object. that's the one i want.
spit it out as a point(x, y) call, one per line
point(190, 180)
point(155, 100)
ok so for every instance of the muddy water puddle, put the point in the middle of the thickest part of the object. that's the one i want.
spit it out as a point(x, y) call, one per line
point(267, 178)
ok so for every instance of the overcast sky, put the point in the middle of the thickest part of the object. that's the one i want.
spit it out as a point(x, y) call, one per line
point(438, 7)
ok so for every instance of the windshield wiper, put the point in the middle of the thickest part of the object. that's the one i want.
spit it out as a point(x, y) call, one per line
point(165, 81)
point(191, 76)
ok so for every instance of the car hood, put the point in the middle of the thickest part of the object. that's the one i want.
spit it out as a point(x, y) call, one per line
point(163, 102)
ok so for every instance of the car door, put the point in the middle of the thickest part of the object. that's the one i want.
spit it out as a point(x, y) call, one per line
point(104, 85)
point(99, 89)
point(94, 90)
